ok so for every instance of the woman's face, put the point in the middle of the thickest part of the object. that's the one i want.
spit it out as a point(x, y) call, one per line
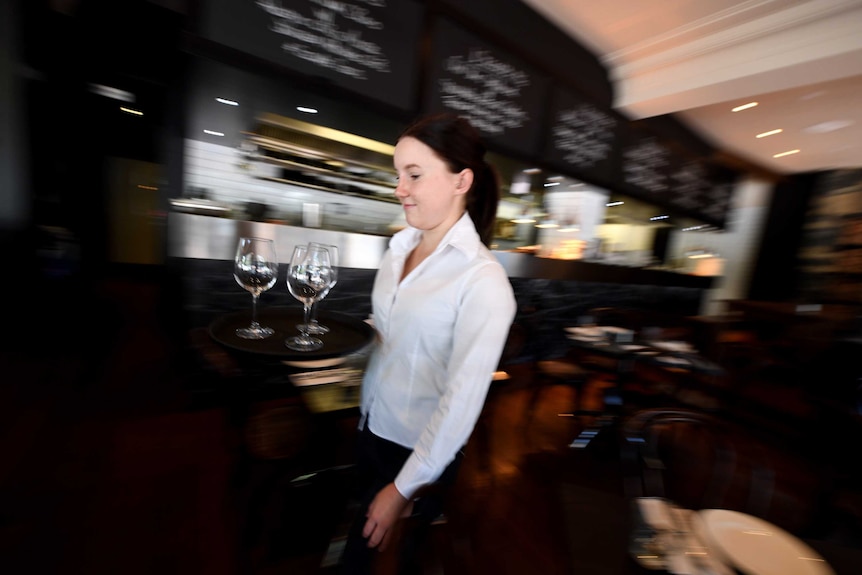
point(431, 195)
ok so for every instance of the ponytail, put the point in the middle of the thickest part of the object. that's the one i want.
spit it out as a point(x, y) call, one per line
point(482, 201)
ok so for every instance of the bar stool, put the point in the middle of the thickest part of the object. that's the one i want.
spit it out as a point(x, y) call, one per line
point(560, 371)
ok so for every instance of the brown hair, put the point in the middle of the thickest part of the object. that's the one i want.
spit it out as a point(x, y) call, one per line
point(457, 142)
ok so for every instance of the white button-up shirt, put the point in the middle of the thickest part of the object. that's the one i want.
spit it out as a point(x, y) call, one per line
point(442, 331)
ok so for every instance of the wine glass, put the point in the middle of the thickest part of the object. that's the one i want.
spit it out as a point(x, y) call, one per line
point(255, 268)
point(308, 277)
point(314, 327)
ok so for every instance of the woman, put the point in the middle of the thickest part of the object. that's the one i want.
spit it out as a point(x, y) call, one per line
point(443, 306)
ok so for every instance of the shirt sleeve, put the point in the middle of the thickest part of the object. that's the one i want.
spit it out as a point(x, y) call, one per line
point(486, 311)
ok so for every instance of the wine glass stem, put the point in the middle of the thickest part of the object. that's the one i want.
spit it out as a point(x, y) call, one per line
point(313, 312)
point(306, 308)
point(254, 297)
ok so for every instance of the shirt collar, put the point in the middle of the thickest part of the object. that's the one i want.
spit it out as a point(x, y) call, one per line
point(462, 236)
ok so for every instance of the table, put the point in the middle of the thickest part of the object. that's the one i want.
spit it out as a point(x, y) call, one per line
point(727, 542)
point(676, 363)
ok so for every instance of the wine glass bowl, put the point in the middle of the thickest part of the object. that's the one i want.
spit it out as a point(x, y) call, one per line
point(308, 280)
point(255, 269)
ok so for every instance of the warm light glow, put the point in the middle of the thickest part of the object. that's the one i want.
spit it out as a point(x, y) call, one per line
point(744, 107)
point(523, 221)
point(548, 225)
point(769, 133)
point(549, 184)
point(213, 133)
point(226, 101)
point(788, 153)
point(131, 111)
point(532, 171)
point(306, 110)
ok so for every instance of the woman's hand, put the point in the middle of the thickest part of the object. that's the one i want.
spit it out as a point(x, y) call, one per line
point(387, 507)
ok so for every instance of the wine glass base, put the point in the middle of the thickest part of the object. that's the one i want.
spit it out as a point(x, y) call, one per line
point(303, 344)
point(313, 328)
point(254, 332)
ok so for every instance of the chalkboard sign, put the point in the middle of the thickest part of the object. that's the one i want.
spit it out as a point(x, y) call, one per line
point(689, 186)
point(698, 190)
point(645, 166)
point(367, 46)
point(581, 136)
point(497, 92)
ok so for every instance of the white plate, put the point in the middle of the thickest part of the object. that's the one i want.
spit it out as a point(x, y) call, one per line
point(670, 360)
point(586, 331)
point(323, 377)
point(757, 547)
point(680, 346)
point(317, 363)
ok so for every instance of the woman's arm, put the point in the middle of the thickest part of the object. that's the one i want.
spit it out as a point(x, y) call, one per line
point(486, 310)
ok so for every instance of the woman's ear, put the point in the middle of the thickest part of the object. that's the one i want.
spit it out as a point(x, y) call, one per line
point(465, 181)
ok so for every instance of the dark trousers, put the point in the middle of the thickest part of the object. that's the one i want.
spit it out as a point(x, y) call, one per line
point(379, 462)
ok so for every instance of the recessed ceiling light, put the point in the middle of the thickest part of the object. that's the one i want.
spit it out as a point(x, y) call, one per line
point(213, 133)
point(131, 111)
point(611, 204)
point(788, 153)
point(769, 133)
point(549, 184)
point(744, 107)
point(306, 109)
point(226, 101)
point(829, 126)
point(532, 171)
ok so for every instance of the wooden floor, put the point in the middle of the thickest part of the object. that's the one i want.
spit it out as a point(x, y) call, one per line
point(108, 467)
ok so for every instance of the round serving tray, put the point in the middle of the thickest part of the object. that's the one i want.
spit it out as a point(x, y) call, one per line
point(346, 333)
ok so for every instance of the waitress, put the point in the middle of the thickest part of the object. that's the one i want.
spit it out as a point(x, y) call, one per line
point(442, 306)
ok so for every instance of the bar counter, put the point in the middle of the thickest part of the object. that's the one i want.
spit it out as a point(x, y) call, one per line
point(551, 294)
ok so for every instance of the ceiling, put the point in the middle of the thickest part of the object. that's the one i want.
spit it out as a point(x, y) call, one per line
point(801, 60)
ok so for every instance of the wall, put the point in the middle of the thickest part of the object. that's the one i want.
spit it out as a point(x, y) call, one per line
point(495, 61)
point(14, 207)
point(830, 254)
point(737, 245)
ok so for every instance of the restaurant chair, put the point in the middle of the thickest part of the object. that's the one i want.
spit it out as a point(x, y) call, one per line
point(701, 461)
point(686, 456)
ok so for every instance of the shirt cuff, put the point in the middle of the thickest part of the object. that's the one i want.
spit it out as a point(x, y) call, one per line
point(412, 476)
